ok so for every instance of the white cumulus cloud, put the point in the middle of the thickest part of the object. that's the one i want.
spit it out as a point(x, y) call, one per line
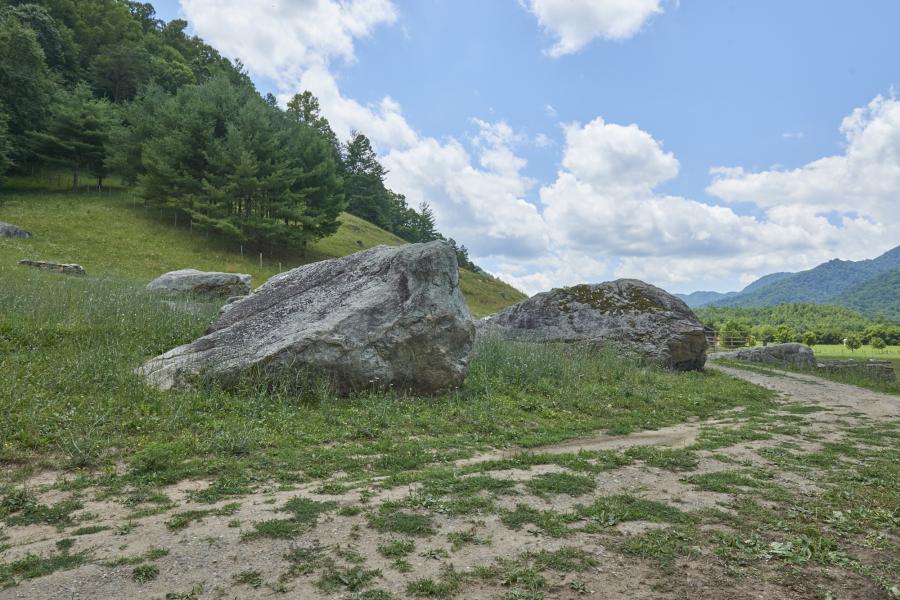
point(478, 201)
point(605, 204)
point(294, 43)
point(577, 22)
point(864, 180)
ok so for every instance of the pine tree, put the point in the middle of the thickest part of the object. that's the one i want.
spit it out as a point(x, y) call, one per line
point(305, 109)
point(77, 134)
point(233, 164)
point(26, 84)
point(5, 146)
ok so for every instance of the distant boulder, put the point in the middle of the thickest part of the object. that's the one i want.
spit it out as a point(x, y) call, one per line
point(626, 312)
point(194, 283)
point(8, 230)
point(797, 356)
point(45, 265)
point(383, 317)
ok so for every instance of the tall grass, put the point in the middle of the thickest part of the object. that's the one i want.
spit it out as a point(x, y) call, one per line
point(68, 393)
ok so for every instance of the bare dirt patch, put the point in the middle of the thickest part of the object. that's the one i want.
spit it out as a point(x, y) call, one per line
point(222, 551)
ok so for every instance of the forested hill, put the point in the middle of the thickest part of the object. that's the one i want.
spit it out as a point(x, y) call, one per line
point(870, 286)
point(702, 298)
point(878, 296)
point(103, 88)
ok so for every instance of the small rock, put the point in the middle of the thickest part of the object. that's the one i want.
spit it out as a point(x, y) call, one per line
point(8, 230)
point(194, 283)
point(44, 265)
point(798, 356)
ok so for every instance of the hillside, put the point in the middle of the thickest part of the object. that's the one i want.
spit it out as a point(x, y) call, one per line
point(114, 234)
point(833, 282)
point(698, 299)
point(880, 296)
point(766, 280)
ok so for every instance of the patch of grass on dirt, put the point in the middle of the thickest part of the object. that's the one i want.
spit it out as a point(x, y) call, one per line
point(90, 529)
point(662, 545)
point(304, 560)
point(725, 482)
point(469, 537)
point(183, 519)
point(549, 522)
point(307, 511)
point(608, 511)
point(144, 573)
point(391, 519)
point(444, 588)
point(275, 529)
point(32, 566)
point(19, 507)
point(396, 548)
point(671, 459)
point(567, 559)
point(249, 577)
point(149, 555)
point(712, 438)
point(561, 483)
point(352, 579)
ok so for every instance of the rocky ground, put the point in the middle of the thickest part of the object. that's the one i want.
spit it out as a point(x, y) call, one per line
point(797, 502)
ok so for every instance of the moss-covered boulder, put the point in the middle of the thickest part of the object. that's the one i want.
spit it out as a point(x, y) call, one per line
point(626, 313)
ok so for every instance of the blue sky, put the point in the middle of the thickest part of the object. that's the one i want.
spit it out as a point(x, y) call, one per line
point(582, 140)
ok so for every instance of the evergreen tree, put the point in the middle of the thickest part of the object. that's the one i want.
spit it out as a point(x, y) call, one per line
point(305, 109)
point(233, 164)
point(5, 147)
point(77, 134)
point(367, 197)
point(26, 84)
point(118, 72)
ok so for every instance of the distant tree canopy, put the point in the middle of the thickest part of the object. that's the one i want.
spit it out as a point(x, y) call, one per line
point(104, 87)
point(823, 323)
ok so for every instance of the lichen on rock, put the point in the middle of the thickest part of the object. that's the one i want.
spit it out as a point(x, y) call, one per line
point(627, 313)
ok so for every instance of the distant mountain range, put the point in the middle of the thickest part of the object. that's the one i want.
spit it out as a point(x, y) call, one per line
point(870, 286)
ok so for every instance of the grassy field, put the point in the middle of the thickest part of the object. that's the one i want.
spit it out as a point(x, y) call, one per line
point(510, 487)
point(113, 234)
point(839, 351)
point(410, 494)
point(69, 346)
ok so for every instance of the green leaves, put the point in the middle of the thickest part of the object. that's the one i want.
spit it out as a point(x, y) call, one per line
point(238, 166)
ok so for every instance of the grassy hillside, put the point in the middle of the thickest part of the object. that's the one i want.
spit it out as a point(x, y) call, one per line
point(113, 234)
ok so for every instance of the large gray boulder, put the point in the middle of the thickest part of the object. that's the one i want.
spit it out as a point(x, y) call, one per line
point(191, 282)
point(797, 356)
point(378, 318)
point(626, 312)
point(55, 267)
point(8, 230)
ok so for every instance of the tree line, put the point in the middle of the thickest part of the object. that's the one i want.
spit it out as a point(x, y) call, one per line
point(104, 87)
point(806, 323)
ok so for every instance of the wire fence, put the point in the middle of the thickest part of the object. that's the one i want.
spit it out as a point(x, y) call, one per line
point(719, 340)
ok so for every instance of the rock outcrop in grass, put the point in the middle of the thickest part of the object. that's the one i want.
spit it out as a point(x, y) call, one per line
point(8, 230)
point(385, 317)
point(794, 355)
point(628, 312)
point(194, 283)
point(46, 265)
